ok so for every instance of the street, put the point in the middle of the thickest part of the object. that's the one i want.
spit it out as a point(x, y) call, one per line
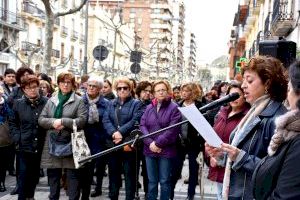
point(42, 190)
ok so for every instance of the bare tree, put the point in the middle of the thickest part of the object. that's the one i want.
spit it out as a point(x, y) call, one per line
point(50, 19)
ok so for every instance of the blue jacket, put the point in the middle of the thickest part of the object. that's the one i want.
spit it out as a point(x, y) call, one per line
point(253, 145)
point(129, 114)
point(95, 133)
point(152, 120)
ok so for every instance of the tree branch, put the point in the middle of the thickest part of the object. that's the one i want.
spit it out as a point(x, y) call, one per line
point(71, 11)
point(62, 65)
point(18, 57)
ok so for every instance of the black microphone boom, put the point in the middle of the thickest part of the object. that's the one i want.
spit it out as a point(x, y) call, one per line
point(203, 109)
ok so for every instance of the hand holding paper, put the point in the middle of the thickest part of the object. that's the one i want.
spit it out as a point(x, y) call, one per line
point(201, 125)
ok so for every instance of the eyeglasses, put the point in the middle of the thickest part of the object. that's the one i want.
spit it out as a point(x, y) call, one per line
point(31, 88)
point(92, 86)
point(161, 90)
point(66, 83)
point(122, 88)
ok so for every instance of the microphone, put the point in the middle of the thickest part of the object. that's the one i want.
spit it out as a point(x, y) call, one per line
point(219, 102)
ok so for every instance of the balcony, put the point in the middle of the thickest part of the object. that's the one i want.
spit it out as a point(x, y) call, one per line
point(28, 46)
point(33, 12)
point(74, 35)
point(11, 20)
point(64, 31)
point(283, 17)
point(267, 32)
point(55, 53)
point(241, 15)
point(82, 38)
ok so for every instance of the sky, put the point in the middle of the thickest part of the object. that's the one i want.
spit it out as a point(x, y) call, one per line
point(211, 22)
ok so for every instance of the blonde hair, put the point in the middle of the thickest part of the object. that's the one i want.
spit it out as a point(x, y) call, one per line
point(194, 88)
point(166, 83)
point(123, 80)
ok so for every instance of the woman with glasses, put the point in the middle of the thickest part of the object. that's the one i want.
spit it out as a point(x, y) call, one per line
point(95, 136)
point(120, 118)
point(265, 88)
point(28, 136)
point(160, 148)
point(57, 118)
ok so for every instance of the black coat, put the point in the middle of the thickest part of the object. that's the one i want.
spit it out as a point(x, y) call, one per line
point(27, 135)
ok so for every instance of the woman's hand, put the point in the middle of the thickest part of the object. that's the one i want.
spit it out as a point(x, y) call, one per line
point(232, 151)
point(57, 124)
point(213, 151)
point(213, 162)
point(154, 148)
point(117, 137)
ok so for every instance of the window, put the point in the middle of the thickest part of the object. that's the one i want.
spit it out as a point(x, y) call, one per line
point(132, 10)
point(62, 52)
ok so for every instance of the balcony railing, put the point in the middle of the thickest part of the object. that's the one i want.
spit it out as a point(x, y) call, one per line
point(11, 19)
point(64, 31)
point(266, 27)
point(282, 17)
point(34, 10)
point(74, 35)
point(28, 46)
point(55, 53)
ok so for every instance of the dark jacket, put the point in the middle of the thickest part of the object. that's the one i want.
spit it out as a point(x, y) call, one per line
point(152, 120)
point(16, 93)
point(6, 90)
point(253, 144)
point(95, 133)
point(122, 117)
point(110, 96)
point(193, 141)
point(223, 126)
point(278, 176)
point(26, 133)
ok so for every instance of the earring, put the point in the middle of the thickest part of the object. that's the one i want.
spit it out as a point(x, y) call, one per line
point(266, 91)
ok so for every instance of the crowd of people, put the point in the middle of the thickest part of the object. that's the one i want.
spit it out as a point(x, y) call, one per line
point(259, 130)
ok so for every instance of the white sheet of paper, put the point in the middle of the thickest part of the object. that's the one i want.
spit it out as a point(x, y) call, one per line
point(201, 125)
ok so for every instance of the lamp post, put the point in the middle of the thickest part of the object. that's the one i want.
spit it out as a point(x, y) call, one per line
point(85, 64)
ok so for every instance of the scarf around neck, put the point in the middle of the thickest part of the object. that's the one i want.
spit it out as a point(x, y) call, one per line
point(258, 106)
point(287, 128)
point(93, 110)
point(62, 99)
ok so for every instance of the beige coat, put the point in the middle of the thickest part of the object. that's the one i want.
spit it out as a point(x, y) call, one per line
point(74, 108)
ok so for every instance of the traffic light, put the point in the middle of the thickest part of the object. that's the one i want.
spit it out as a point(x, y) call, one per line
point(136, 56)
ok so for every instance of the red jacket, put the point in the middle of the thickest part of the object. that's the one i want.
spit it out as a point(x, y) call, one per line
point(223, 127)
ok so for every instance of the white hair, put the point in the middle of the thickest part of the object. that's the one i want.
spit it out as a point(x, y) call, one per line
point(97, 79)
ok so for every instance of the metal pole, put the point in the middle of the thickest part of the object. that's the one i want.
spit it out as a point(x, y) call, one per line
point(85, 64)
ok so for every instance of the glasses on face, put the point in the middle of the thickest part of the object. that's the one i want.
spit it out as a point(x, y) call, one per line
point(161, 91)
point(31, 88)
point(122, 88)
point(66, 83)
point(92, 86)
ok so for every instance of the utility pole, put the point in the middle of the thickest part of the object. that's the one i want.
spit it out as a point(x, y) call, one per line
point(85, 62)
point(114, 55)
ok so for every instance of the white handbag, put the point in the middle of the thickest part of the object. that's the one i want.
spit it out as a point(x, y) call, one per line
point(80, 147)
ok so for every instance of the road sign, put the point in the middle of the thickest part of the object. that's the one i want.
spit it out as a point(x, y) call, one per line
point(100, 52)
point(135, 68)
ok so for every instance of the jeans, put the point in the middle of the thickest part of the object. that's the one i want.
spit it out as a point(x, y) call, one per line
point(159, 171)
point(54, 176)
point(117, 161)
point(29, 173)
point(219, 191)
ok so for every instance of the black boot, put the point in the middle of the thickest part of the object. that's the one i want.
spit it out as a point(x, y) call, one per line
point(96, 193)
point(15, 191)
point(2, 187)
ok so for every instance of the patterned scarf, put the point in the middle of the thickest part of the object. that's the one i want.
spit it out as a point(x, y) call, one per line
point(258, 106)
point(93, 110)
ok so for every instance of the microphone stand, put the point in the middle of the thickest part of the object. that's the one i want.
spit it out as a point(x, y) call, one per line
point(214, 104)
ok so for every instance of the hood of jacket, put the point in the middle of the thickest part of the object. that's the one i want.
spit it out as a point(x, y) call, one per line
point(287, 128)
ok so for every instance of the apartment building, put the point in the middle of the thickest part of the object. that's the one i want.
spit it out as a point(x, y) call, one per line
point(11, 24)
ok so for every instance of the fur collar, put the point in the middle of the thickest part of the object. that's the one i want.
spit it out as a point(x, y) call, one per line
point(287, 128)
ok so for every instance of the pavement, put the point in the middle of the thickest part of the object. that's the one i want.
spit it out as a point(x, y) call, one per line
point(42, 190)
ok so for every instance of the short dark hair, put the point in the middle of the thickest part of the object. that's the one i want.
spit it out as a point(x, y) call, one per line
point(272, 73)
point(142, 86)
point(294, 76)
point(21, 71)
point(29, 80)
point(9, 71)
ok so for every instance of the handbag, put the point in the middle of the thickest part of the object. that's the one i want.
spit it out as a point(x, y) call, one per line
point(5, 139)
point(80, 147)
point(60, 144)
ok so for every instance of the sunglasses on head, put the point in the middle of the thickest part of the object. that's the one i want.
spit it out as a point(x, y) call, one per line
point(122, 88)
